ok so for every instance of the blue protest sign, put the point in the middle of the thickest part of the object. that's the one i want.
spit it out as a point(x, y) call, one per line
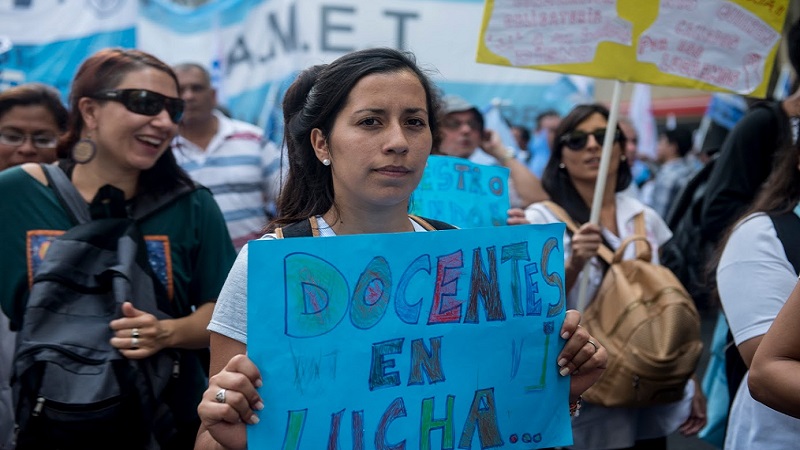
point(462, 193)
point(445, 339)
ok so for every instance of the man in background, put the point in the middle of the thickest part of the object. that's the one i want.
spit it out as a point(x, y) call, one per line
point(522, 136)
point(675, 170)
point(228, 156)
point(546, 123)
point(464, 136)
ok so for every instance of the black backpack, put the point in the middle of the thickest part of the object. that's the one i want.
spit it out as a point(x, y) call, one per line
point(72, 389)
point(687, 254)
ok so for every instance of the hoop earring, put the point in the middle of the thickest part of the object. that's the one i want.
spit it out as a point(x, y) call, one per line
point(326, 162)
point(83, 151)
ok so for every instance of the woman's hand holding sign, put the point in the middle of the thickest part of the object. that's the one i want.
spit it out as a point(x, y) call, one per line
point(231, 400)
point(582, 356)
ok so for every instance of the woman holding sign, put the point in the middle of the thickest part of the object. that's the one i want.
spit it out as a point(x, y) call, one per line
point(569, 179)
point(358, 132)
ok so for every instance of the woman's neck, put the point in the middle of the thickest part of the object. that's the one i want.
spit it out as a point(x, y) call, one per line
point(608, 207)
point(348, 220)
point(90, 177)
point(586, 191)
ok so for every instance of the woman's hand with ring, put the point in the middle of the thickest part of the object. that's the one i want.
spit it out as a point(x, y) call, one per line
point(231, 401)
point(582, 356)
point(221, 395)
point(137, 334)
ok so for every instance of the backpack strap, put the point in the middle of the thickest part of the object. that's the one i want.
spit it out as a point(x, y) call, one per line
point(303, 228)
point(787, 226)
point(643, 250)
point(78, 209)
point(67, 194)
point(431, 224)
point(561, 214)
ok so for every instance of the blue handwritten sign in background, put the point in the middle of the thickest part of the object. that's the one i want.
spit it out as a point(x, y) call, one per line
point(437, 340)
point(462, 193)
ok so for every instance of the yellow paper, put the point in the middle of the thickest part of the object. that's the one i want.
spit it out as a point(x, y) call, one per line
point(718, 45)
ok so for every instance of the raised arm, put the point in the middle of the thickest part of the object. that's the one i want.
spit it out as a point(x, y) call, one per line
point(528, 185)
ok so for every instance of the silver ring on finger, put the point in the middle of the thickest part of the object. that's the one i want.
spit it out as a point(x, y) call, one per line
point(220, 397)
point(134, 343)
point(596, 347)
point(135, 333)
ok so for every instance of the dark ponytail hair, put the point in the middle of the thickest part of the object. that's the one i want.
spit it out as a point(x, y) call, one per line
point(313, 101)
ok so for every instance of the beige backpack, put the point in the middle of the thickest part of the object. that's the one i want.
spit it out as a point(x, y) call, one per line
point(647, 322)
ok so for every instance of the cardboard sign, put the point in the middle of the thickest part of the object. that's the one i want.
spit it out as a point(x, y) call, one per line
point(429, 340)
point(462, 193)
point(723, 45)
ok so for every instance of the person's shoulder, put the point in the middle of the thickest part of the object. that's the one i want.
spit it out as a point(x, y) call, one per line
point(243, 127)
point(25, 173)
point(265, 237)
point(753, 238)
point(759, 114)
point(630, 207)
point(629, 204)
point(241, 130)
point(753, 224)
point(539, 212)
point(200, 193)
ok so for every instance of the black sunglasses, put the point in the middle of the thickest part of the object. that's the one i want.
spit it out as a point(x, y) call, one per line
point(576, 140)
point(142, 101)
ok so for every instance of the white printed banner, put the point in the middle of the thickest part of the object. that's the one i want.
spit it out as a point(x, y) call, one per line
point(46, 40)
point(256, 47)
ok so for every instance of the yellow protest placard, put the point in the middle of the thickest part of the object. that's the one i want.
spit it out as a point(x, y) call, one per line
point(718, 45)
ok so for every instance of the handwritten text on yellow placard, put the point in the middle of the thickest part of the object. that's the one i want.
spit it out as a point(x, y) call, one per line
point(724, 45)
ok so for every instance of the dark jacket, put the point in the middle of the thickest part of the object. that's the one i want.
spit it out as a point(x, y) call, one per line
point(745, 161)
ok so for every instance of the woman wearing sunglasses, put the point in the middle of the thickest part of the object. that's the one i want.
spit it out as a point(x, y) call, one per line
point(124, 113)
point(569, 179)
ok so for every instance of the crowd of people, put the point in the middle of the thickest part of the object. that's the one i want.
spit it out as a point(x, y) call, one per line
point(357, 134)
